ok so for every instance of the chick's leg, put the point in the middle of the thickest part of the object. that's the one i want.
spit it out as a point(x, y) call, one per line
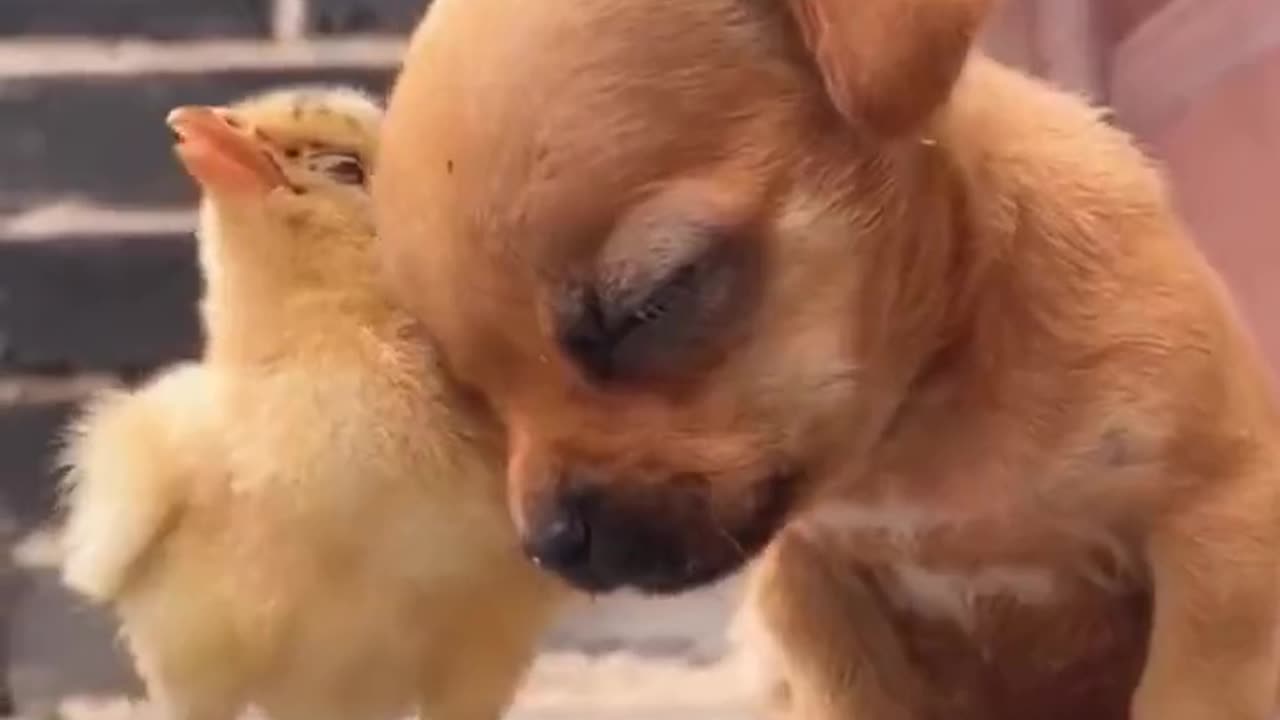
point(488, 654)
point(183, 683)
point(185, 704)
point(480, 688)
point(840, 658)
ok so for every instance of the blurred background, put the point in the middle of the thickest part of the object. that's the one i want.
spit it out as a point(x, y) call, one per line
point(98, 281)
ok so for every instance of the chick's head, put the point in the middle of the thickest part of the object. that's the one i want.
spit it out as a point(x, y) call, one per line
point(300, 155)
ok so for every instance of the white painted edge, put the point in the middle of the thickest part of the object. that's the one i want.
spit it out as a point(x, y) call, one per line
point(40, 549)
point(289, 20)
point(1184, 49)
point(20, 389)
point(86, 220)
point(44, 58)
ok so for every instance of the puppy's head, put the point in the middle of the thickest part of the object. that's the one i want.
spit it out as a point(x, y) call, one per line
point(663, 239)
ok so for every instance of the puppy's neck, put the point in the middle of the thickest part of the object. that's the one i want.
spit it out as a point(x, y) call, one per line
point(919, 275)
point(921, 267)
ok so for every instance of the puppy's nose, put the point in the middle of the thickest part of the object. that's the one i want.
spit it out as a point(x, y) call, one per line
point(563, 543)
point(592, 540)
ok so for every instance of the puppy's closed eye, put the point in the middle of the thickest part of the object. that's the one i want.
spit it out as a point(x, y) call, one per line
point(653, 316)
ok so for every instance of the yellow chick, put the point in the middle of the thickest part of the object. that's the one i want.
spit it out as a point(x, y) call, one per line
point(310, 519)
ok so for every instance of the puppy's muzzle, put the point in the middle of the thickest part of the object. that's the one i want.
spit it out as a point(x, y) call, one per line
point(657, 538)
point(599, 548)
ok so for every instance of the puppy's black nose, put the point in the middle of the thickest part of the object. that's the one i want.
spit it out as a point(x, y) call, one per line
point(597, 542)
point(562, 543)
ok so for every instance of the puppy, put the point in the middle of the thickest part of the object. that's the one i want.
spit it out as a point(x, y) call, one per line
point(310, 519)
point(813, 282)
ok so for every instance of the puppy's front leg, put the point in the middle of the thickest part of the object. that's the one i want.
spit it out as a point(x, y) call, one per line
point(1215, 652)
point(841, 659)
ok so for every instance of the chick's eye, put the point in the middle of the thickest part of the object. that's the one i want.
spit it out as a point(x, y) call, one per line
point(346, 169)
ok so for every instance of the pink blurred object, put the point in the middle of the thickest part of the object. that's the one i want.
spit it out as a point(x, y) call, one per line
point(1198, 81)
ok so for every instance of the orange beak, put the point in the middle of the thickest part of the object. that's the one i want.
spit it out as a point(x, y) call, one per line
point(221, 156)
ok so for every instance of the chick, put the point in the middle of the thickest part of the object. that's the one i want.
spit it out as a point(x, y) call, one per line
point(310, 519)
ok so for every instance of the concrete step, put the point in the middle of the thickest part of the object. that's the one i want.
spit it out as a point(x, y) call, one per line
point(72, 303)
point(102, 137)
point(171, 20)
point(157, 19)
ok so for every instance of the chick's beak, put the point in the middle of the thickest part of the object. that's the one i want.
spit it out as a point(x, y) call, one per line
point(220, 155)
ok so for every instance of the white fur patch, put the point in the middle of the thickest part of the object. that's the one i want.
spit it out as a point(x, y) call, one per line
point(936, 593)
point(952, 595)
point(899, 521)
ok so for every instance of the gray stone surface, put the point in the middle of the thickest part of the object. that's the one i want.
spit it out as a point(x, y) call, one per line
point(103, 140)
point(328, 17)
point(163, 19)
point(27, 489)
point(70, 304)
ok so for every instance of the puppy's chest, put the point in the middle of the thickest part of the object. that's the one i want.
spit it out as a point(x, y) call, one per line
point(977, 573)
point(1002, 611)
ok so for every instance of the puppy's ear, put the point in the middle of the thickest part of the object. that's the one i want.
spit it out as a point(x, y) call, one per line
point(888, 64)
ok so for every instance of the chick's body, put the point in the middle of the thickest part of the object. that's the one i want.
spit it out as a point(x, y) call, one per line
point(309, 519)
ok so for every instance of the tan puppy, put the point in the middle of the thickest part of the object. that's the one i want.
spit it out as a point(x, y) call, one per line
point(309, 519)
point(808, 275)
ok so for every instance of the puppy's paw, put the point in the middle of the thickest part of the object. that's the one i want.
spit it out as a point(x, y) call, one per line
point(836, 646)
point(795, 584)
